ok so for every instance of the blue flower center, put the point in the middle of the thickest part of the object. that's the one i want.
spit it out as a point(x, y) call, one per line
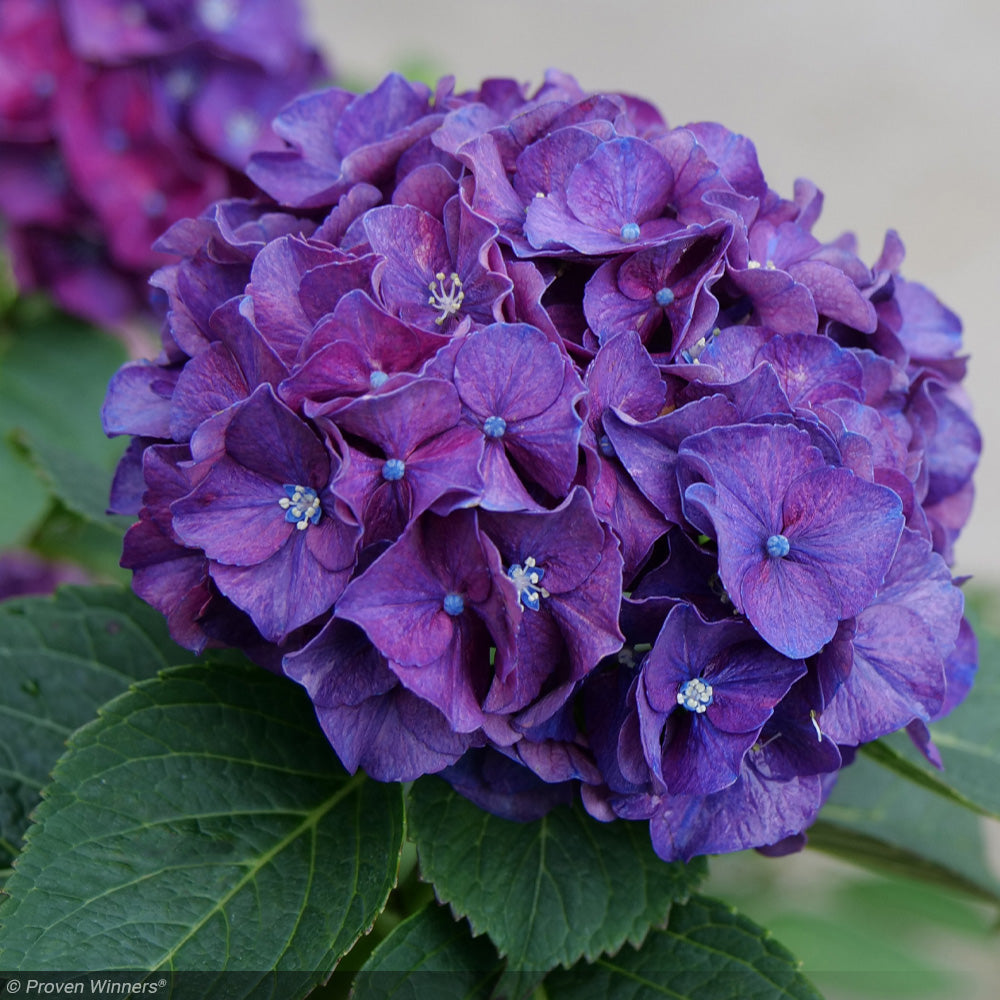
point(778, 547)
point(453, 604)
point(607, 448)
point(664, 297)
point(494, 426)
point(526, 579)
point(301, 506)
point(630, 232)
point(378, 378)
point(695, 695)
point(393, 469)
point(448, 298)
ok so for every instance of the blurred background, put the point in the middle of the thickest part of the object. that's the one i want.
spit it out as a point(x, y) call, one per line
point(892, 108)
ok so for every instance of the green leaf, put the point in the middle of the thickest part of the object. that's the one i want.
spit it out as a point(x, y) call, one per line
point(430, 955)
point(80, 484)
point(19, 507)
point(63, 536)
point(968, 739)
point(203, 822)
point(706, 952)
point(546, 892)
point(54, 372)
point(61, 658)
point(874, 819)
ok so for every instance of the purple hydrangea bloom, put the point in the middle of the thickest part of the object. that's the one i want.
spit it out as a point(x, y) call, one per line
point(118, 119)
point(548, 449)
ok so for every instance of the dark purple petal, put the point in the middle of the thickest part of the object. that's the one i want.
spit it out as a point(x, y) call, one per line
point(438, 648)
point(291, 587)
point(370, 720)
point(752, 812)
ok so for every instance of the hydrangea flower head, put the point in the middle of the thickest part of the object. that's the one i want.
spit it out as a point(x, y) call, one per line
point(548, 449)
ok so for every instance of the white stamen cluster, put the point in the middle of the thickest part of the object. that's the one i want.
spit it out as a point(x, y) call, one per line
point(695, 695)
point(447, 299)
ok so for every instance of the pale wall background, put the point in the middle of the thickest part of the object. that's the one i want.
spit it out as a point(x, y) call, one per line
point(891, 107)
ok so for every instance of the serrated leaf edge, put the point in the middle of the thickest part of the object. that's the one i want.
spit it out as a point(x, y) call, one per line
point(73, 742)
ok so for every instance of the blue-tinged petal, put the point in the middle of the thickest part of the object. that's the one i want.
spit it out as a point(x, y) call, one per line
point(752, 812)
point(896, 675)
point(139, 400)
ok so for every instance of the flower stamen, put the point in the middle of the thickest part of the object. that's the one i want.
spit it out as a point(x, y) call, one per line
point(815, 724)
point(302, 506)
point(695, 695)
point(447, 299)
point(526, 579)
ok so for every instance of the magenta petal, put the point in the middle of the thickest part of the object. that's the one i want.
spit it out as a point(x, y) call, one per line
point(208, 383)
point(540, 647)
point(509, 369)
point(278, 314)
point(752, 812)
point(402, 614)
point(835, 294)
point(138, 400)
point(444, 472)
point(780, 302)
point(393, 737)
point(502, 487)
point(399, 421)
point(415, 248)
point(370, 720)
point(453, 681)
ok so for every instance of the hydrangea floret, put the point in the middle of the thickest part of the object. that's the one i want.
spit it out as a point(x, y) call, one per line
point(549, 450)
